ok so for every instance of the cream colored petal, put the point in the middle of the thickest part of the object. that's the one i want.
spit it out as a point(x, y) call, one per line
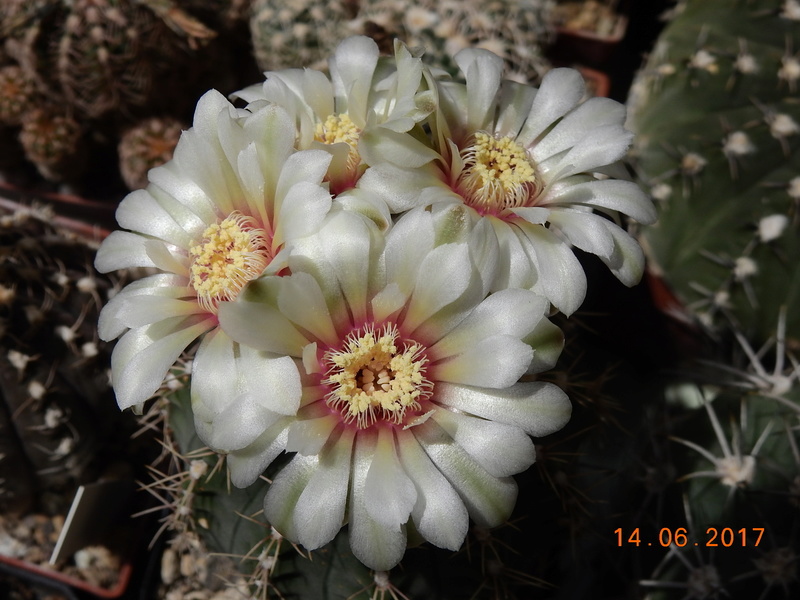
point(538, 408)
point(438, 514)
point(489, 500)
point(377, 546)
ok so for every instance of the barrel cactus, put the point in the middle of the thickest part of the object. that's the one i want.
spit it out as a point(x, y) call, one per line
point(717, 121)
point(716, 114)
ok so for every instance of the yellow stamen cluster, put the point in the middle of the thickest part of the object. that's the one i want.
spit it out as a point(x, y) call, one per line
point(231, 253)
point(497, 174)
point(372, 379)
point(337, 129)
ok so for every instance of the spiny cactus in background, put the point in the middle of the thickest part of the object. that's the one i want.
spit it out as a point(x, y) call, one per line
point(717, 119)
point(16, 94)
point(716, 114)
point(515, 30)
point(298, 33)
point(148, 144)
point(57, 406)
point(52, 141)
point(107, 64)
point(285, 35)
point(98, 55)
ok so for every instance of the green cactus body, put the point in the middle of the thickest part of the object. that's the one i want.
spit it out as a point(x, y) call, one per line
point(716, 115)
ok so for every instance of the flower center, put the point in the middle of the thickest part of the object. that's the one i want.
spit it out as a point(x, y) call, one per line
point(497, 174)
point(337, 129)
point(372, 378)
point(231, 253)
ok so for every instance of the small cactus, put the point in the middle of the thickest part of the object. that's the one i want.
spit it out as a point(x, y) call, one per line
point(52, 141)
point(16, 93)
point(148, 144)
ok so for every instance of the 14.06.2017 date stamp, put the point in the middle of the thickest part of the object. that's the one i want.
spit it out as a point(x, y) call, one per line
point(714, 537)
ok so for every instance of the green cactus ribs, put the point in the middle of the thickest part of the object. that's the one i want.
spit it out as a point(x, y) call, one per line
point(717, 114)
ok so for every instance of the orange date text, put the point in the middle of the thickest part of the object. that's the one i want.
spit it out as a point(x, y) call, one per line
point(679, 536)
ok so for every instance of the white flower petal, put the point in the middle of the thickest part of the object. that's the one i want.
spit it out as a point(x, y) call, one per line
point(247, 465)
point(309, 435)
point(483, 71)
point(627, 261)
point(210, 393)
point(497, 361)
point(200, 161)
point(601, 146)
point(515, 266)
point(140, 212)
point(513, 312)
point(515, 105)
point(377, 546)
point(560, 275)
point(186, 219)
point(320, 509)
point(301, 301)
point(166, 258)
point(122, 250)
point(240, 423)
point(352, 67)
point(285, 490)
point(547, 341)
point(442, 277)
point(302, 212)
point(144, 310)
point(304, 166)
point(273, 380)
point(367, 204)
point(579, 123)
point(389, 494)
point(143, 356)
point(379, 144)
point(351, 243)
point(439, 514)
point(169, 178)
point(538, 215)
point(488, 499)
point(539, 408)
point(113, 320)
point(274, 133)
point(560, 92)
point(206, 113)
point(585, 231)
point(623, 196)
point(407, 244)
point(387, 302)
point(502, 450)
point(255, 320)
point(256, 391)
point(255, 198)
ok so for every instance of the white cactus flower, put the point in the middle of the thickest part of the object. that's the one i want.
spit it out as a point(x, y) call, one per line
point(222, 212)
point(364, 91)
point(534, 164)
point(407, 380)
